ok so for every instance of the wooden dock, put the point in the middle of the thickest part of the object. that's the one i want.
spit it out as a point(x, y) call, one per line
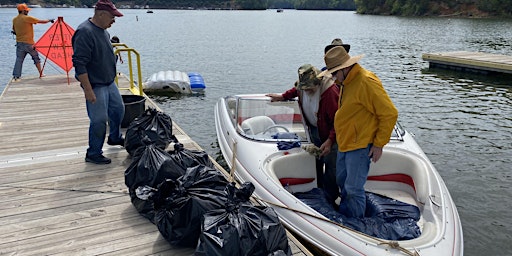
point(476, 62)
point(51, 200)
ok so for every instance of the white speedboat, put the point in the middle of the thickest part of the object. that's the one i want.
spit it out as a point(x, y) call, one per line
point(250, 128)
point(174, 81)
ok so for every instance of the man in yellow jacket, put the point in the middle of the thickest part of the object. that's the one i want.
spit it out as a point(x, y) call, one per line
point(22, 27)
point(363, 124)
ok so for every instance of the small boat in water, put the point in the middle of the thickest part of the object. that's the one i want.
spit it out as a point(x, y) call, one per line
point(258, 140)
point(174, 81)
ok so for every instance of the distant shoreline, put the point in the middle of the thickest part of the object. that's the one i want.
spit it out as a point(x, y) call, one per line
point(458, 14)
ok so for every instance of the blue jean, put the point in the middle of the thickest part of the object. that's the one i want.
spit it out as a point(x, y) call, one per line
point(351, 172)
point(109, 107)
point(21, 52)
point(328, 180)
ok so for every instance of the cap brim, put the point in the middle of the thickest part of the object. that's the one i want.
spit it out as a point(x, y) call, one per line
point(117, 13)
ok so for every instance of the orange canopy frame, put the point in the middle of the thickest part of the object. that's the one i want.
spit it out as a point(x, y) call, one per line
point(55, 45)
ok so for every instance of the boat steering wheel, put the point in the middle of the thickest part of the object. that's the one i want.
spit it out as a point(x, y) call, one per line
point(275, 127)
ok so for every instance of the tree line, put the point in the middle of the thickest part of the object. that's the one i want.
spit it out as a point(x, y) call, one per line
point(437, 7)
point(380, 7)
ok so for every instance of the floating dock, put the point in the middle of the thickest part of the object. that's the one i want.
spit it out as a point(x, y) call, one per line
point(52, 201)
point(476, 62)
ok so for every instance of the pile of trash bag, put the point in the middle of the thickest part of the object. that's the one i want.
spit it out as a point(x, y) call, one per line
point(183, 194)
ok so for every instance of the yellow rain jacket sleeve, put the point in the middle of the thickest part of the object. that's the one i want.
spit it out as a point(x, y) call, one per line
point(366, 114)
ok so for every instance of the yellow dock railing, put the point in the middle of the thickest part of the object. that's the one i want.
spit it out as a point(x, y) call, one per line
point(136, 90)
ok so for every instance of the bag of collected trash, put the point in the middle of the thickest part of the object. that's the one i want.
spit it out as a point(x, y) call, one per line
point(241, 228)
point(179, 205)
point(189, 158)
point(156, 125)
point(150, 167)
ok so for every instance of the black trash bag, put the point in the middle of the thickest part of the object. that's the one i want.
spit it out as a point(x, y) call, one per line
point(240, 228)
point(189, 158)
point(156, 125)
point(141, 200)
point(179, 205)
point(150, 167)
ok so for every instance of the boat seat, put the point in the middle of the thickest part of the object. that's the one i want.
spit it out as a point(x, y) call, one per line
point(295, 172)
point(257, 124)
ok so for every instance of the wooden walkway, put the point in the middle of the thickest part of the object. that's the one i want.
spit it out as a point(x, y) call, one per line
point(478, 62)
point(51, 201)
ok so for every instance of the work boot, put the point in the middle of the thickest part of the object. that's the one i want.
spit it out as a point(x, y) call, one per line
point(99, 159)
point(119, 142)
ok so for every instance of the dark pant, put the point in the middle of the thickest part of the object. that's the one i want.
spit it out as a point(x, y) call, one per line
point(326, 178)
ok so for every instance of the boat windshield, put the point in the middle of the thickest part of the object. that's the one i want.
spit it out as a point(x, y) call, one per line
point(398, 132)
point(259, 119)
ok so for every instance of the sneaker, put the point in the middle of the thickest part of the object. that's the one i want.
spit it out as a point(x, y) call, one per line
point(16, 79)
point(119, 142)
point(99, 159)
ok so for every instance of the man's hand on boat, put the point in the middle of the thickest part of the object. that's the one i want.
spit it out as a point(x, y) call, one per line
point(275, 97)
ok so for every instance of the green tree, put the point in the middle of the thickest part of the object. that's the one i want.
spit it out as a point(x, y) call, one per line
point(252, 4)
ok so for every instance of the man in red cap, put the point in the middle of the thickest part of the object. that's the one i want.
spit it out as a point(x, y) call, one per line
point(95, 68)
point(22, 27)
point(107, 5)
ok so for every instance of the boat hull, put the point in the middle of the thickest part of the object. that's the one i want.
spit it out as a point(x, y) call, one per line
point(404, 172)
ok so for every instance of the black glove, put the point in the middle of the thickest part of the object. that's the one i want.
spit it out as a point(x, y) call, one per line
point(52, 20)
point(12, 32)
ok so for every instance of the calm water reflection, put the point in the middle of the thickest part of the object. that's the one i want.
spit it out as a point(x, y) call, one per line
point(462, 121)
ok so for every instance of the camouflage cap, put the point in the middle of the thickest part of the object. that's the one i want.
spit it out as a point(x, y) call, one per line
point(308, 77)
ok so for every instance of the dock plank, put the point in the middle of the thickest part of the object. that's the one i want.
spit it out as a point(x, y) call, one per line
point(53, 202)
point(470, 61)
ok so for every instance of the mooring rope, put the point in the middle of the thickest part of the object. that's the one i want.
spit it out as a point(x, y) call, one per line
point(233, 164)
point(391, 244)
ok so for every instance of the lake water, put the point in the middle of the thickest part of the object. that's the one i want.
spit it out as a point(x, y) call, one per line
point(463, 122)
